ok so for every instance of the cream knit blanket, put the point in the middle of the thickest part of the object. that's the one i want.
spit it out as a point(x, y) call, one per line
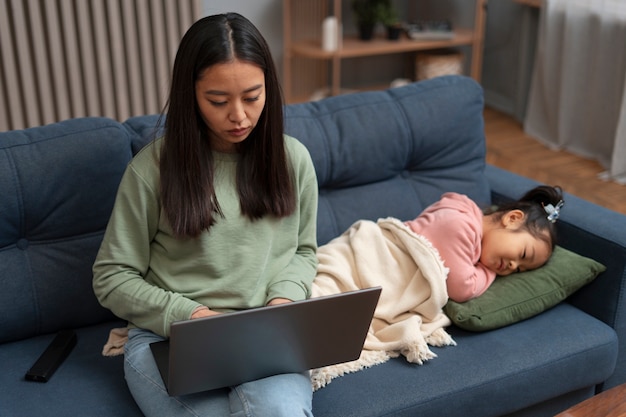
point(409, 314)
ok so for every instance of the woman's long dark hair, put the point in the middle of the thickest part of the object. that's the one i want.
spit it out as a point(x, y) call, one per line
point(533, 204)
point(264, 182)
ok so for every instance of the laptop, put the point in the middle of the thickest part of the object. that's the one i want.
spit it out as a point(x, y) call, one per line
point(233, 348)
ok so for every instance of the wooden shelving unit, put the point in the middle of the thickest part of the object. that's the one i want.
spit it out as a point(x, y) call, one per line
point(307, 67)
point(531, 3)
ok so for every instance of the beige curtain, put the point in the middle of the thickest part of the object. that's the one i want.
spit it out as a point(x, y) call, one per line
point(577, 99)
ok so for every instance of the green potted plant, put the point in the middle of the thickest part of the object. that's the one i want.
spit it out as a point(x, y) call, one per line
point(389, 18)
point(367, 13)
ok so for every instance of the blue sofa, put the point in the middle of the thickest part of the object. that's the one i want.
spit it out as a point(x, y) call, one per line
point(377, 154)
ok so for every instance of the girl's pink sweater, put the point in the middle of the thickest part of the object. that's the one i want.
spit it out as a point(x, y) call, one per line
point(454, 225)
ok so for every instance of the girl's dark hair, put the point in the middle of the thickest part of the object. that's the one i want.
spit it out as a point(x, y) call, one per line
point(533, 204)
point(264, 183)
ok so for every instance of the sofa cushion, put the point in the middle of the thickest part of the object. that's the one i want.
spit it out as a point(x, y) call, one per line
point(544, 357)
point(420, 140)
point(86, 383)
point(143, 129)
point(525, 294)
point(487, 374)
point(409, 170)
point(61, 181)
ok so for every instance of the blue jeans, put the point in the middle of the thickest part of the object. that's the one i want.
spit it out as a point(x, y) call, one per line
point(287, 395)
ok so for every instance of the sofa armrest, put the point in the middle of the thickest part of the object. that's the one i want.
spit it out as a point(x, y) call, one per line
point(589, 230)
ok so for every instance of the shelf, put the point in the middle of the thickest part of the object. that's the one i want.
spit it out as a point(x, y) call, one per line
point(531, 3)
point(352, 47)
point(308, 69)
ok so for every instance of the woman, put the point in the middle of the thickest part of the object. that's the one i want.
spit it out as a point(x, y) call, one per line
point(218, 215)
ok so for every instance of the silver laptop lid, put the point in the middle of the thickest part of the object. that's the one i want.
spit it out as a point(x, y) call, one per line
point(229, 349)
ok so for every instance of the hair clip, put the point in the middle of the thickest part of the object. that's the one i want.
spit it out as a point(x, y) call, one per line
point(552, 211)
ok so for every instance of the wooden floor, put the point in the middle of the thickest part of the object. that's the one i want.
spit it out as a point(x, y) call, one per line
point(509, 148)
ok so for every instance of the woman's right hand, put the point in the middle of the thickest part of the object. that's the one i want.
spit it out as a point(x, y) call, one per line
point(203, 311)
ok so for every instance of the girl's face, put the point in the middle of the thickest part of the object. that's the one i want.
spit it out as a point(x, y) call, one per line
point(231, 98)
point(506, 248)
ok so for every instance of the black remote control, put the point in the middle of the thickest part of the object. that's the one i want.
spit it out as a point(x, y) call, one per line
point(52, 357)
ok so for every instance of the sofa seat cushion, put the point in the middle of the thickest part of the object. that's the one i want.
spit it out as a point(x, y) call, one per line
point(86, 384)
point(562, 350)
point(547, 356)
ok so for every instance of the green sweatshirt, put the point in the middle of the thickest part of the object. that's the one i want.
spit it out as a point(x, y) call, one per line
point(147, 276)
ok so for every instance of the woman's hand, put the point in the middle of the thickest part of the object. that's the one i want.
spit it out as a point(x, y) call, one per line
point(276, 301)
point(201, 312)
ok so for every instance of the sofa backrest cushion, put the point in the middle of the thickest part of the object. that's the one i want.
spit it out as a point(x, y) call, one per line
point(384, 153)
point(393, 152)
point(58, 183)
point(143, 129)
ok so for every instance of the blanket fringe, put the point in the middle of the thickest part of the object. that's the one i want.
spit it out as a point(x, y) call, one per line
point(417, 353)
point(320, 377)
point(440, 338)
point(115, 344)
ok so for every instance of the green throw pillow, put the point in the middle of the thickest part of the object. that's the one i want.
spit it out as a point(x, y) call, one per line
point(525, 294)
